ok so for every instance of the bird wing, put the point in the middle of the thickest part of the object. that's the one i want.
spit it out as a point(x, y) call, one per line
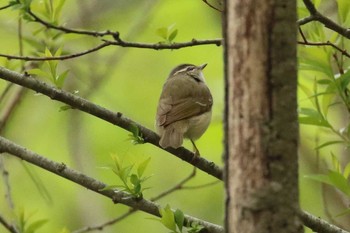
point(193, 99)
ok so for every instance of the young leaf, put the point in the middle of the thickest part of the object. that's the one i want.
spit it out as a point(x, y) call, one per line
point(339, 181)
point(328, 144)
point(34, 226)
point(179, 218)
point(172, 35)
point(61, 78)
point(168, 218)
point(141, 168)
point(346, 171)
point(162, 32)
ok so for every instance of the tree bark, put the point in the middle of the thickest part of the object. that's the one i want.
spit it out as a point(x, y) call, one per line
point(261, 117)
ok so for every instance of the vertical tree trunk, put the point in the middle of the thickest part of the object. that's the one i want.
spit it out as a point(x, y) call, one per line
point(261, 117)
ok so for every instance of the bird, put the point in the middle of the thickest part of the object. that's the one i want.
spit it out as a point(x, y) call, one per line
point(184, 108)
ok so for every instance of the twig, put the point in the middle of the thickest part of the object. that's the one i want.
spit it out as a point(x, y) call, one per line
point(5, 177)
point(342, 51)
point(107, 115)
point(317, 16)
point(7, 225)
point(69, 30)
point(64, 171)
point(63, 57)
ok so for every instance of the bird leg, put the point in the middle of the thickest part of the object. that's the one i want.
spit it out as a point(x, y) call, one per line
point(195, 150)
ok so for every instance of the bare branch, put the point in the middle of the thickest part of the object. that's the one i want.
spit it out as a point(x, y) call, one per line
point(327, 22)
point(64, 57)
point(107, 115)
point(62, 170)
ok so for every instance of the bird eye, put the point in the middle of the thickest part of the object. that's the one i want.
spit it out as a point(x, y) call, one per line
point(190, 68)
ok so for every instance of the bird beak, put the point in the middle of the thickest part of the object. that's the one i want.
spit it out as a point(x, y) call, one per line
point(202, 66)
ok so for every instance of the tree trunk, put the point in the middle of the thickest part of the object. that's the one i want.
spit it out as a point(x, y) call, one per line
point(261, 117)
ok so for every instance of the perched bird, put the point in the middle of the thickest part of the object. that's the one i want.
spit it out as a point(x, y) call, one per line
point(184, 108)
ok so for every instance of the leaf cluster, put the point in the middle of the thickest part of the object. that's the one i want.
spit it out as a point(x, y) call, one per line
point(175, 221)
point(132, 182)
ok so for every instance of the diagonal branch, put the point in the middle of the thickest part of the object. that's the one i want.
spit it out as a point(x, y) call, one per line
point(92, 184)
point(115, 118)
point(7, 225)
point(327, 22)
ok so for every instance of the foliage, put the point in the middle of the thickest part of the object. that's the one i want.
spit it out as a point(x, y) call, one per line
point(324, 93)
point(136, 136)
point(49, 69)
point(131, 182)
point(25, 224)
point(174, 221)
point(167, 33)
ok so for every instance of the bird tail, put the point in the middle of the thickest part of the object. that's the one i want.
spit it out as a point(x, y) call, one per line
point(171, 137)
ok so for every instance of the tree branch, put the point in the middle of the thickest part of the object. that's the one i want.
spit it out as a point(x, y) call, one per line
point(64, 57)
point(327, 22)
point(107, 115)
point(91, 183)
point(319, 225)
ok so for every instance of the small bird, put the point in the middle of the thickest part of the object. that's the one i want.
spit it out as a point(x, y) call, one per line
point(184, 108)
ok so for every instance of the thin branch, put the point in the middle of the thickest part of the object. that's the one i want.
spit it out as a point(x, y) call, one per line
point(327, 22)
point(6, 182)
point(118, 119)
point(60, 169)
point(7, 225)
point(69, 30)
point(342, 51)
point(63, 57)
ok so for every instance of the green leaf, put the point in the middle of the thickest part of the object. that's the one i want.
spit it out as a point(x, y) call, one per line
point(61, 78)
point(346, 171)
point(33, 227)
point(168, 218)
point(314, 121)
point(179, 219)
point(162, 32)
point(65, 108)
point(320, 178)
point(324, 81)
point(134, 179)
point(340, 182)
point(142, 167)
point(344, 80)
point(343, 10)
point(39, 73)
point(328, 144)
point(172, 35)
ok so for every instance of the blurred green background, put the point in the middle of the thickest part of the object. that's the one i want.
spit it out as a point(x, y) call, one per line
point(126, 80)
